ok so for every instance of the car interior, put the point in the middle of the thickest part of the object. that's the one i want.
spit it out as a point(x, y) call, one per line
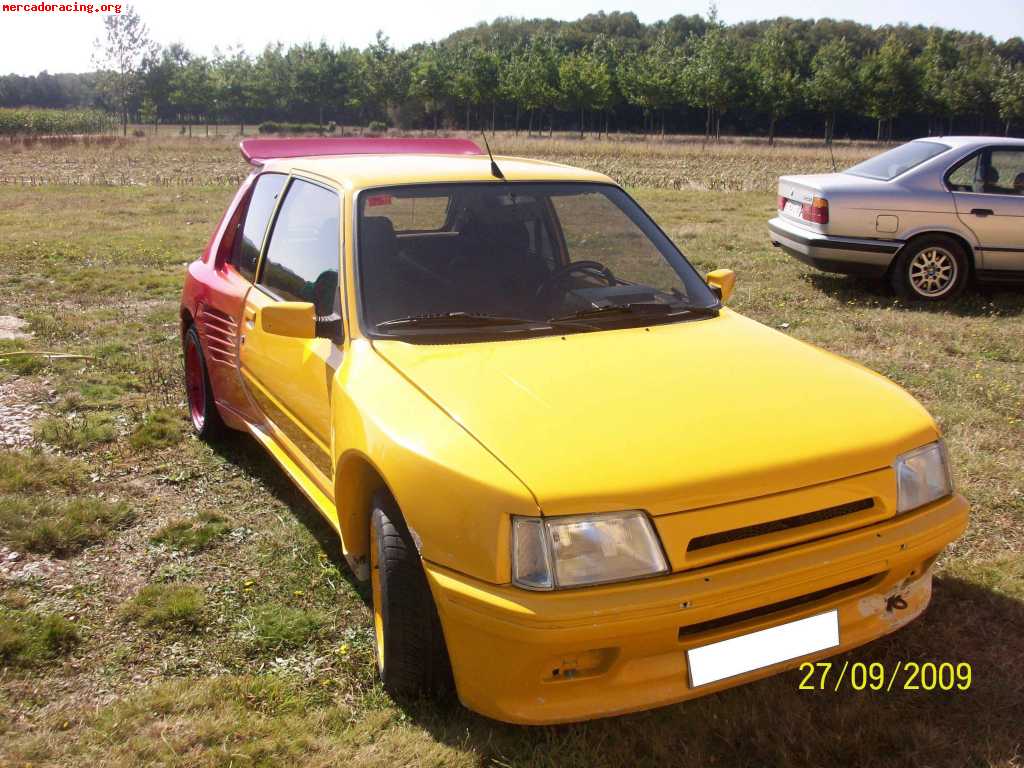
point(496, 254)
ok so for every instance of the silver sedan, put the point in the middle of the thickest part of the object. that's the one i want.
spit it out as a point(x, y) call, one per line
point(928, 215)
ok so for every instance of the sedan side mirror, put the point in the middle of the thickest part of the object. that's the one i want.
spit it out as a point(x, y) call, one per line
point(295, 319)
point(722, 282)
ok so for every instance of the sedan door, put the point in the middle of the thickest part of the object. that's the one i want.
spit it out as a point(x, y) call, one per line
point(989, 194)
point(290, 379)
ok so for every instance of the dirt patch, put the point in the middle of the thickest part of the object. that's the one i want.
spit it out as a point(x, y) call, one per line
point(11, 328)
point(20, 405)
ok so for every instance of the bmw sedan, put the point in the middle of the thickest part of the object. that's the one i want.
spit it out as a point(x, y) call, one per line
point(929, 216)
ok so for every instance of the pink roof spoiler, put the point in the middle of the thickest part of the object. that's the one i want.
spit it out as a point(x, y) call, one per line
point(258, 151)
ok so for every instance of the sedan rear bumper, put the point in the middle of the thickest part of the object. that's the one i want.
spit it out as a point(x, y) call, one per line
point(851, 256)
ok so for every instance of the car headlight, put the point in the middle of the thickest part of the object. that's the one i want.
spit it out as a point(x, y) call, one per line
point(922, 476)
point(561, 552)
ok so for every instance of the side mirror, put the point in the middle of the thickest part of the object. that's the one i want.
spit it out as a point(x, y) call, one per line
point(722, 282)
point(296, 319)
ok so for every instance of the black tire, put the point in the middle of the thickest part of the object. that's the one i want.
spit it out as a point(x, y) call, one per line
point(203, 413)
point(932, 268)
point(414, 660)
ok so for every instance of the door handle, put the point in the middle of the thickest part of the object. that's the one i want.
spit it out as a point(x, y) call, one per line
point(982, 212)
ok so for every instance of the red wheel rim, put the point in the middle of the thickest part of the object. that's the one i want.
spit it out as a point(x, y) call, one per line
point(194, 386)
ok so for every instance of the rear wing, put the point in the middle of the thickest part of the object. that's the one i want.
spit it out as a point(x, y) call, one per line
point(259, 151)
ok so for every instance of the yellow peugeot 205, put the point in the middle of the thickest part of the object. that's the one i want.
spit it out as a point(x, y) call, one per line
point(578, 483)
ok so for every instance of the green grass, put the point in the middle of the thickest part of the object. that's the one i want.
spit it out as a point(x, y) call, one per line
point(77, 432)
point(29, 639)
point(166, 606)
point(58, 526)
point(159, 429)
point(276, 627)
point(192, 535)
point(280, 669)
point(32, 471)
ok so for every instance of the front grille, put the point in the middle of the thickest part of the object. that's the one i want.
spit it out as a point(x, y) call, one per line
point(764, 610)
point(774, 526)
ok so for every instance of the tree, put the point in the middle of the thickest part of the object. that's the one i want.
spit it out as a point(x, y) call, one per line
point(1009, 94)
point(972, 82)
point(192, 91)
point(651, 79)
point(530, 78)
point(387, 74)
point(833, 82)
point(888, 83)
point(775, 73)
point(713, 74)
point(233, 81)
point(428, 80)
point(585, 83)
point(120, 59)
point(937, 62)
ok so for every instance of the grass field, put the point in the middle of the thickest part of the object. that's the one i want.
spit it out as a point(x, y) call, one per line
point(177, 604)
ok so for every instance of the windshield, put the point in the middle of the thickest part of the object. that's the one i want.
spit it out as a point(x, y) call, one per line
point(524, 257)
point(888, 165)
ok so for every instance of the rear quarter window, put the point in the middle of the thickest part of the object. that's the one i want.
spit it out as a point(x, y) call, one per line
point(246, 252)
point(888, 165)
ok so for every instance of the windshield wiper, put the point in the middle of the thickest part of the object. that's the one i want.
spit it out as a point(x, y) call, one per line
point(650, 308)
point(455, 319)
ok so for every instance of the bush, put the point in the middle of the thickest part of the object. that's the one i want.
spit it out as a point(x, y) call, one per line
point(28, 638)
point(58, 527)
point(167, 606)
point(377, 126)
point(271, 127)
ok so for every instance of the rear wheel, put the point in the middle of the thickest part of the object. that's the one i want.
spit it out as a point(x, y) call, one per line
point(932, 268)
point(411, 655)
point(202, 409)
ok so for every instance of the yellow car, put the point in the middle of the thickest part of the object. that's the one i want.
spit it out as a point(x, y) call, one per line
point(579, 485)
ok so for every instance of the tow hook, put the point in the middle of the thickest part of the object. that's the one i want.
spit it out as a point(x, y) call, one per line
point(895, 603)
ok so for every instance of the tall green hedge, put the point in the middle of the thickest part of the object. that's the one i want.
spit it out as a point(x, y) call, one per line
point(52, 122)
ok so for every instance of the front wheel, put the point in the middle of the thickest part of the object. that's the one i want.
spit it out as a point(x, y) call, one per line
point(932, 268)
point(412, 658)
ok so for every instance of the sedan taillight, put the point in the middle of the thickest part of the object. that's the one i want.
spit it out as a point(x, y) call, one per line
point(782, 202)
point(815, 211)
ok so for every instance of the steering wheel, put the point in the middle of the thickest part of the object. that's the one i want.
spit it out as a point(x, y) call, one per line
point(592, 268)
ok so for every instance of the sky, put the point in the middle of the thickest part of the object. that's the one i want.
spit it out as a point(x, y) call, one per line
point(63, 42)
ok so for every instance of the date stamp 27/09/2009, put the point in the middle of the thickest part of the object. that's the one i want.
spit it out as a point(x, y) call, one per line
point(876, 676)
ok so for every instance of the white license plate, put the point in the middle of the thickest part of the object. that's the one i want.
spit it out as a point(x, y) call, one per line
point(737, 655)
point(792, 208)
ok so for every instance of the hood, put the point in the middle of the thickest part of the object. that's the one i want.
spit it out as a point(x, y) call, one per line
point(666, 418)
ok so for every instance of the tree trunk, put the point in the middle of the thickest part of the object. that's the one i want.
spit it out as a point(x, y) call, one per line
point(516, 126)
point(1007, 131)
point(707, 124)
point(529, 128)
point(771, 131)
point(320, 125)
point(581, 122)
point(124, 122)
point(718, 125)
point(494, 113)
point(878, 133)
point(467, 117)
point(435, 122)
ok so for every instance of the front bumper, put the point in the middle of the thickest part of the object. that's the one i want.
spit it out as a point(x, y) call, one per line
point(851, 256)
point(542, 658)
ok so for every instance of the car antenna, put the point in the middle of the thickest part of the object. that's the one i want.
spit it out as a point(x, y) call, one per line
point(495, 170)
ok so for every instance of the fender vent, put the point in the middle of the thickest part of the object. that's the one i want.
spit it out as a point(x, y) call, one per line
point(218, 332)
point(774, 526)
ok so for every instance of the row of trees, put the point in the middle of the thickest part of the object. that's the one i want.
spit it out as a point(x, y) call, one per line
point(601, 71)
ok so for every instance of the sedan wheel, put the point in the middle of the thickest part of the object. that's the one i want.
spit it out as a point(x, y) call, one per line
point(930, 269)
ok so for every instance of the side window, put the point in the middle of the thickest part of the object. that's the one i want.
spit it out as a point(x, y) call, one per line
point(304, 253)
point(961, 179)
point(1005, 172)
point(246, 253)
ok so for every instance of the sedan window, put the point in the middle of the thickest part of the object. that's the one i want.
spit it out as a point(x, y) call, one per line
point(246, 252)
point(1005, 174)
point(888, 165)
